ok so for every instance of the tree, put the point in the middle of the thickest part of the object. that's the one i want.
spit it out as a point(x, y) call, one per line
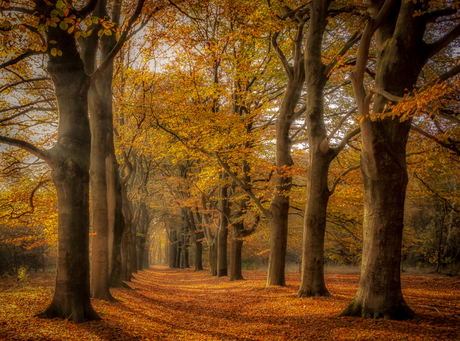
point(69, 158)
point(401, 54)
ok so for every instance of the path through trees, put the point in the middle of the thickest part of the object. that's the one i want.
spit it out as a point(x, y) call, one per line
point(179, 304)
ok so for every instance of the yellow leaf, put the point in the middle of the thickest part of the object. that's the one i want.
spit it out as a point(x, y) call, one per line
point(77, 34)
point(70, 30)
point(59, 53)
point(53, 51)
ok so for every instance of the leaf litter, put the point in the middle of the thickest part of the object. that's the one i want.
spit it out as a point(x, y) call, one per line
point(175, 304)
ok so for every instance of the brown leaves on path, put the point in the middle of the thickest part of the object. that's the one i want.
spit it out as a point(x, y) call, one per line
point(170, 304)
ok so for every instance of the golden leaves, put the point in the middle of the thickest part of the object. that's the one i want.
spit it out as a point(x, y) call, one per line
point(172, 304)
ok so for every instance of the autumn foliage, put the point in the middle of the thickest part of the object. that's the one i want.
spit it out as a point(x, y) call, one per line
point(170, 304)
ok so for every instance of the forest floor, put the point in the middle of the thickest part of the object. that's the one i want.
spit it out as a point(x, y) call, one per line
point(172, 304)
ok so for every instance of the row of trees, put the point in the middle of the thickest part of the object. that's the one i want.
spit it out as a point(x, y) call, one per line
point(227, 115)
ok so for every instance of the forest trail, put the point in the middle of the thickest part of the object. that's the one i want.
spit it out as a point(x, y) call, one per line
point(174, 304)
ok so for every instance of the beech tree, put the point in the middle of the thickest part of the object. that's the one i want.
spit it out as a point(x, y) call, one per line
point(69, 158)
point(402, 52)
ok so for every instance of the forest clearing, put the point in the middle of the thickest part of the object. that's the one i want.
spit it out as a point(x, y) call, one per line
point(178, 304)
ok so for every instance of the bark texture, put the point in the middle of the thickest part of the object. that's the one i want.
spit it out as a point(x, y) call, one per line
point(320, 157)
point(279, 208)
point(70, 173)
point(401, 56)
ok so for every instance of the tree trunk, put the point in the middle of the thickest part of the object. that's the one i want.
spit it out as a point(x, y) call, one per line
point(198, 256)
point(140, 252)
point(70, 175)
point(312, 270)
point(99, 203)
point(116, 222)
point(172, 250)
point(279, 208)
point(126, 256)
point(383, 166)
point(222, 233)
point(134, 249)
point(235, 255)
point(213, 257)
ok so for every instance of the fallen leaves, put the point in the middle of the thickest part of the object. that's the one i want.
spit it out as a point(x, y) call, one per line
point(171, 304)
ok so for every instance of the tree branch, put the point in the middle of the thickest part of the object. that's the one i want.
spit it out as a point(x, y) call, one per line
point(25, 55)
point(41, 154)
point(288, 68)
point(7, 86)
point(88, 9)
point(449, 37)
point(348, 45)
point(120, 41)
point(346, 139)
point(243, 186)
point(339, 178)
point(450, 146)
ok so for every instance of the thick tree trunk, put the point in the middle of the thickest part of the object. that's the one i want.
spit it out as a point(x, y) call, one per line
point(401, 56)
point(379, 292)
point(279, 208)
point(312, 276)
point(312, 270)
point(140, 252)
point(126, 256)
point(99, 203)
point(278, 240)
point(70, 175)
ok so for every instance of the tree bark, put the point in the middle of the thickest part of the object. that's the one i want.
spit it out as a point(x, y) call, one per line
point(222, 233)
point(320, 157)
point(401, 56)
point(279, 208)
point(116, 220)
point(235, 253)
point(70, 173)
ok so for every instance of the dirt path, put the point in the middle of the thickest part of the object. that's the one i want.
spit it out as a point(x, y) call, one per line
point(169, 304)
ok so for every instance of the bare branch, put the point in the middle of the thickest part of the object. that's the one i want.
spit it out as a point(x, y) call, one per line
point(120, 42)
point(341, 122)
point(7, 86)
point(436, 194)
point(451, 146)
point(348, 45)
point(288, 68)
point(25, 55)
point(449, 37)
point(183, 12)
point(346, 139)
point(6, 119)
point(340, 177)
point(41, 154)
point(26, 105)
